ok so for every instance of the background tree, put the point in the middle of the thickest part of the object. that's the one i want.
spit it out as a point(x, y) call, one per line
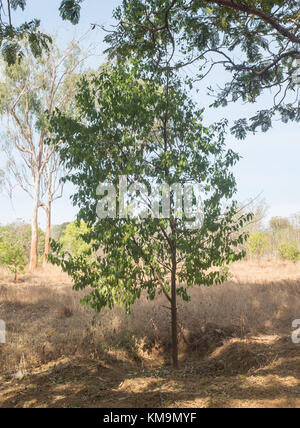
point(279, 223)
point(256, 42)
point(259, 208)
point(72, 240)
point(279, 238)
point(281, 230)
point(52, 187)
point(258, 244)
point(27, 91)
point(150, 132)
point(295, 221)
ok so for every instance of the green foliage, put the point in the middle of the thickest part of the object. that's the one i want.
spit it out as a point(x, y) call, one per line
point(58, 230)
point(282, 234)
point(237, 35)
point(258, 244)
point(12, 257)
point(289, 251)
point(13, 248)
point(70, 10)
point(12, 37)
point(18, 3)
point(39, 96)
point(72, 239)
point(19, 233)
point(118, 128)
point(281, 230)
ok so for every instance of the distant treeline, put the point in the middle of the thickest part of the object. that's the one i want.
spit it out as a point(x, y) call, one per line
point(280, 239)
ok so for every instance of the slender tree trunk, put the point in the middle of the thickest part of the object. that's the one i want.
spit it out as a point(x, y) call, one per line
point(174, 313)
point(9, 12)
point(48, 232)
point(35, 228)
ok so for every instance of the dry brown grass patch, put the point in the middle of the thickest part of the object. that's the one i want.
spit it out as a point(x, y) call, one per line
point(46, 321)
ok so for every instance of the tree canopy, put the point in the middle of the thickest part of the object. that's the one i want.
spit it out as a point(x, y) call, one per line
point(256, 42)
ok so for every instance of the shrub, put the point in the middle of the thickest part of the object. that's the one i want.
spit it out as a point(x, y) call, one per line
point(258, 244)
point(19, 233)
point(13, 257)
point(289, 251)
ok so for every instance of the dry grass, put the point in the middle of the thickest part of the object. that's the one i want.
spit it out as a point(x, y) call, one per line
point(45, 320)
point(235, 345)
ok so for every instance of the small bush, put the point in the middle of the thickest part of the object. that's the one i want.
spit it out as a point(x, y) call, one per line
point(12, 257)
point(19, 234)
point(289, 251)
point(258, 244)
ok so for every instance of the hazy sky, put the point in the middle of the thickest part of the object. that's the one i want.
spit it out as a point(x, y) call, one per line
point(270, 163)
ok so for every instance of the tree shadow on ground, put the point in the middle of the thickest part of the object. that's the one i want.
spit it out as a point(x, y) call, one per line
point(267, 374)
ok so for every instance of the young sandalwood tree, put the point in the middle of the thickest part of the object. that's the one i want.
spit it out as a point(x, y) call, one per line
point(154, 135)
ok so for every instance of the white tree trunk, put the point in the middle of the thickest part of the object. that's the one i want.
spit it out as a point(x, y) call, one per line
point(35, 227)
point(48, 232)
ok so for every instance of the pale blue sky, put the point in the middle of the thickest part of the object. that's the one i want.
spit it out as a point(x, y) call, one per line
point(270, 163)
